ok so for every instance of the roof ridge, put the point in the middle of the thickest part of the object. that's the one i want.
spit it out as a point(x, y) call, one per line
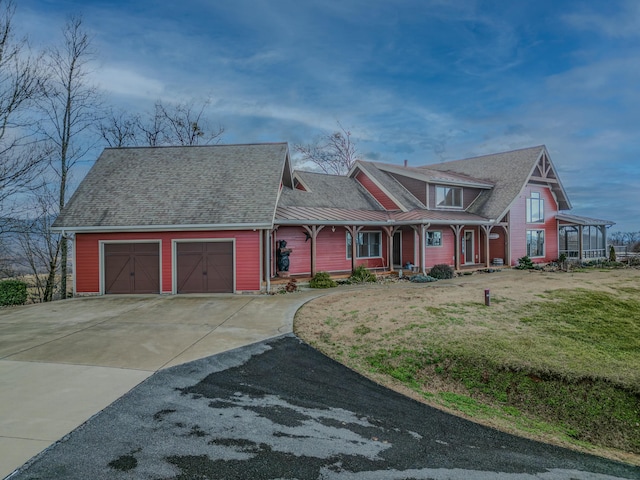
point(486, 155)
point(139, 147)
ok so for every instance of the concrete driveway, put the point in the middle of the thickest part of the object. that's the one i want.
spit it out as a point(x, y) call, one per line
point(63, 362)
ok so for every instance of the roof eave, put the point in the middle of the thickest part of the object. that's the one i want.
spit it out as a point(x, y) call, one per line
point(161, 228)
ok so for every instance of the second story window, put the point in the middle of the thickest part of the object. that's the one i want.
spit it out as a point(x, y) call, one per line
point(535, 208)
point(448, 197)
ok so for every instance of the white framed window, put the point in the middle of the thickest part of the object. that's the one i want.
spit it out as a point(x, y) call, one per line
point(535, 208)
point(448, 197)
point(535, 243)
point(368, 245)
point(434, 238)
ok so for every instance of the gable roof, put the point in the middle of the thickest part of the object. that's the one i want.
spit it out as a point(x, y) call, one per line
point(389, 185)
point(509, 171)
point(210, 186)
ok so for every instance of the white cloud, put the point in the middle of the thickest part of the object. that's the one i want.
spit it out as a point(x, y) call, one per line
point(120, 80)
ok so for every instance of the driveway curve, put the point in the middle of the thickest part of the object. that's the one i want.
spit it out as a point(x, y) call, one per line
point(279, 409)
point(62, 362)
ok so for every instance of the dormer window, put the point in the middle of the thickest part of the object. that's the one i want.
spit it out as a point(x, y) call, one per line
point(448, 197)
point(535, 208)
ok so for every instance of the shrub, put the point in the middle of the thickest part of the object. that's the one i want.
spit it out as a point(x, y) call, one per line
point(13, 292)
point(422, 278)
point(525, 263)
point(362, 275)
point(441, 271)
point(322, 280)
point(612, 254)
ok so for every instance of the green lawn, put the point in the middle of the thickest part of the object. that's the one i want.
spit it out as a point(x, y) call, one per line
point(556, 363)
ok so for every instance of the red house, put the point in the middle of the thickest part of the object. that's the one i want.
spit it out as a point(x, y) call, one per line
point(208, 219)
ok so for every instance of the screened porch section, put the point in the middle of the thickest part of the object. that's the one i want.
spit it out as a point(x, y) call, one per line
point(581, 238)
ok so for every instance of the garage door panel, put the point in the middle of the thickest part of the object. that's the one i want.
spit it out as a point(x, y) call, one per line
point(211, 273)
point(190, 269)
point(132, 268)
point(146, 277)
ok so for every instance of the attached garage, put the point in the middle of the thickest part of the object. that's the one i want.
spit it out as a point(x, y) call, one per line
point(132, 267)
point(204, 267)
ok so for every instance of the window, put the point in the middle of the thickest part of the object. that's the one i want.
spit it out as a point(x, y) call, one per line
point(368, 245)
point(535, 208)
point(449, 197)
point(535, 243)
point(434, 239)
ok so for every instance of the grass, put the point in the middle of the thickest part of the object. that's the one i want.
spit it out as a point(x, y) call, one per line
point(558, 363)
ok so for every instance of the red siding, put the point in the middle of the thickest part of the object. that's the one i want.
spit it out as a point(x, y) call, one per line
point(377, 193)
point(444, 254)
point(247, 256)
point(519, 226)
point(331, 250)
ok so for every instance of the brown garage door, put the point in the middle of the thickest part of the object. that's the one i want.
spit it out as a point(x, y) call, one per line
point(205, 267)
point(132, 268)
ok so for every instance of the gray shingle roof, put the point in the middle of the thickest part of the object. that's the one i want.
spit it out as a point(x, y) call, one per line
point(179, 186)
point(327, 191)
point(509, 171)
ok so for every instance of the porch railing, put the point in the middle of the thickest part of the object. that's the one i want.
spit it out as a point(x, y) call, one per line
point(586, 254)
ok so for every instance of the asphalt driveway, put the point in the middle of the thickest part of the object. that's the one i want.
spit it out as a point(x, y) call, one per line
point(62, 362)
point(279, 409)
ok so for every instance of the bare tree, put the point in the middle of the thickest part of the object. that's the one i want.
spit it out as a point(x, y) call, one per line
point(71, 107)
point(20, 85)
point(167, 124)
point(40, 246)
point(335, 153)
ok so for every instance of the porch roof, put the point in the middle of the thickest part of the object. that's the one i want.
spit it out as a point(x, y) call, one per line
point(584, 221)
point(343, 216)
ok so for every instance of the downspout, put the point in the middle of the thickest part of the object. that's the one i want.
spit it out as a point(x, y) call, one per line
point(268, 258)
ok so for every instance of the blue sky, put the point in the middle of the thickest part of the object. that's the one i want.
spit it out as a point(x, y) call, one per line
point(422, 80)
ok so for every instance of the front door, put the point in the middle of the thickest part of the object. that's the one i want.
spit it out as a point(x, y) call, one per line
point(468, 247)
point(397, 249)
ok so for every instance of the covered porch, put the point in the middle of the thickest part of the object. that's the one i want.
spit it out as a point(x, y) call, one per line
point(582, 238)
point(322, 240)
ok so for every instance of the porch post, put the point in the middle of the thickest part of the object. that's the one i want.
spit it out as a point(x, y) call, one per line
point(313, 232)
point(456, 231)
point(580, 244)
point(354, 230)
point(390, 231)
point(487, 230)
point(507, 248)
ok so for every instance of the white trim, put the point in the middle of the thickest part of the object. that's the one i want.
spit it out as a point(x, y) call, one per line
point(101, 263)
point(448, 207)
point(348, 250)
point(164, 228)
point(174, 258)
point(544, 242)
point(426, 237)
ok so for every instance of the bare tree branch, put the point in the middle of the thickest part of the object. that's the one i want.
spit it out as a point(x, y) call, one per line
point(334, 153)
point(20, 85)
